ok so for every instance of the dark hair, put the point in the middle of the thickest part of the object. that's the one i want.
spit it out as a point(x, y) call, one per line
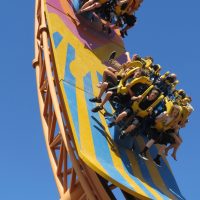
point(155, 67)
point(156, 89)
point(190, 98)
point(182, 94)
point(148, 57)
point(171, 79)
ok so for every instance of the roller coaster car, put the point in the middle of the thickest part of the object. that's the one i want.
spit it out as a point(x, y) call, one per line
point(168, 79)
point(141, 62)
point(182, 100)
point(122, 89)
point(119, 101)
point(132, 65)
point(147, 62)
point(180, 93)
point(136, 104)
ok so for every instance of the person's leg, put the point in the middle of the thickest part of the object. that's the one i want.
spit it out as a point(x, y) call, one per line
point(114, 26)
point(120, 117)
point(128, 56)
point(162, 149)
point(160, 152)
point(107, 97)
point(150, 143)
point(100, 107)
point(114, 64)
point(123, 32)
point(109, 73)
point(127, 131)
point(112, 69)
point(142, 154)
point(135, 123)
point(178, 142)
point(130, 21)
point(102, 90)
point(168, 148)
point(86, 4)
point(154, 134)
point(174, 151)
point(91, 7)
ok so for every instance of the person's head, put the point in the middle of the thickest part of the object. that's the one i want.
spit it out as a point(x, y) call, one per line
point(171, 78)
point(182, 93)
point(156, 68)
point(186, 100)
point(174, 112)
point(136, 57)
point(137, 73)
point(148, 58)
point(154, 93)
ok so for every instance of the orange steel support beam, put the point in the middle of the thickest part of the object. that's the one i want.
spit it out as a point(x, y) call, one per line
point(78, 181)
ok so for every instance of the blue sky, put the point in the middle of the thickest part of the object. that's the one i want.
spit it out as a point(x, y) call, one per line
point(167, 30)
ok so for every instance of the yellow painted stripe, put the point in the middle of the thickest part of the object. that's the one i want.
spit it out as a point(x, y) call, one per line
point(135, 167)
point(87, 146)
point(117, 162)
point(84, 125)
point(155, 175)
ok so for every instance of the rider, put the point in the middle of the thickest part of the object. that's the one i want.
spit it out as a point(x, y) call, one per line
point(144, 104)
point(165, 124)
point(110, 93)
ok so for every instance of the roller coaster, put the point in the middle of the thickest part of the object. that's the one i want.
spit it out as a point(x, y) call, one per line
point(88, 159)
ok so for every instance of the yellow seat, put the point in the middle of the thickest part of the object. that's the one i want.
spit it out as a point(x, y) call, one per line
point(134, 64)
point(148, 63)
point(122, 89)
point(164, 76)
point(136, 104)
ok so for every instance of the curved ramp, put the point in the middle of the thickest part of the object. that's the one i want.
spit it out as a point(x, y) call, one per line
point(80, 53)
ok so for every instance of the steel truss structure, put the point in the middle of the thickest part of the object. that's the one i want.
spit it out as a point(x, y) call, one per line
point(74, 181)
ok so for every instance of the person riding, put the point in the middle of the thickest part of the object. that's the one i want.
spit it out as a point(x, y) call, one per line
point(129, 17)
point(187, 109)
point(165, 84)
point(110, 93)
point(161, 132)
point(144, 104)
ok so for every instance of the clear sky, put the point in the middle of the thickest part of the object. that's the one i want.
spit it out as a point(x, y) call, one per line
point(169, 31)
